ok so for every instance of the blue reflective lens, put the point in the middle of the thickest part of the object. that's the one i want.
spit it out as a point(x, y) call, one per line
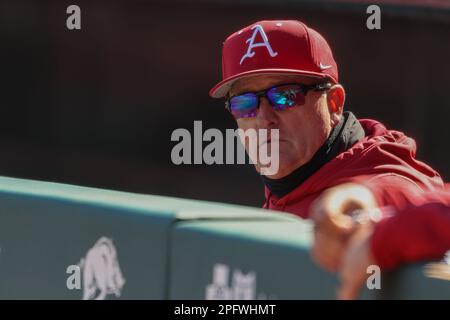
point(244, 105)
point(284, 97)
point(280, 97)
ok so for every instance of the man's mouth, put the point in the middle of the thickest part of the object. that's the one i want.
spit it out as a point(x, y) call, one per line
point(268, 141)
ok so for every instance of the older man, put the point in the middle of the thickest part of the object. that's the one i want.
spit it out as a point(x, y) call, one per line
point(282, 75)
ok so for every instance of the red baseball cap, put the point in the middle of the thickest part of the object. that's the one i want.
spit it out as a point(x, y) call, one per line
point(275, 47)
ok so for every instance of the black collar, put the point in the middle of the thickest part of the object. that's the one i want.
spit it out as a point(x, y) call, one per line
point(345, 134)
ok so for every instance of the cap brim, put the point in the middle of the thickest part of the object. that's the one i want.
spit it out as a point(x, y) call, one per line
point(221, 89)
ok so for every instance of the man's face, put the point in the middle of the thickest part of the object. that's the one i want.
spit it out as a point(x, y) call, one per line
point(302, 129)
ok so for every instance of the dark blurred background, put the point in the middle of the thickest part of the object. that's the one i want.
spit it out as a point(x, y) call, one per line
point(97, 106)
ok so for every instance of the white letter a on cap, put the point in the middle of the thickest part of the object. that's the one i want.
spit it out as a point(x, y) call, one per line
point(252, 44)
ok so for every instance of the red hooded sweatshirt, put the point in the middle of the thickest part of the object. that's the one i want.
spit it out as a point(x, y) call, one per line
point(420, 231)
point(384, 161)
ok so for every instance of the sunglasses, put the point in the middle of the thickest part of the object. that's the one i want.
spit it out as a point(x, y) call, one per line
point(281, 97)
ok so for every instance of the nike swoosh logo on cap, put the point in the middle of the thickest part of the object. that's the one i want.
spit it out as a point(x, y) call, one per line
point(324, 67)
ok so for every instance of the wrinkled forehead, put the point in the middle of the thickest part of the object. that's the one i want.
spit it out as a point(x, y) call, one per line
point(260, 82)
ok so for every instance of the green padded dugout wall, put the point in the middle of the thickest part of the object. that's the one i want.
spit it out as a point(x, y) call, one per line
point(251, 260)
point(47, 227)
point(271, 260)
point(132, 246)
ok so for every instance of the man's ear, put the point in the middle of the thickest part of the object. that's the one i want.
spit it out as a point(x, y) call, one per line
point(336, 99)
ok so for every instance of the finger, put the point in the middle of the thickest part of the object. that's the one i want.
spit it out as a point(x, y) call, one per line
point(319, 254)
point(346, 293)
point(324, 261)
point(327, 250)
point(341, 222)
point(317, 212)
point(331, 217)
point(356, 259)
point(332, 222)
point(349, 288)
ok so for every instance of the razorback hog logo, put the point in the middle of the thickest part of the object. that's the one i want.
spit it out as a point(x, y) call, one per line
point(101, 271)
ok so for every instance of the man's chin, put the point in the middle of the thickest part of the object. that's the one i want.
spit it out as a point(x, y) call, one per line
point(272, 172)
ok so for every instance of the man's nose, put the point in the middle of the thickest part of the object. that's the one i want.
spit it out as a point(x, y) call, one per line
point(266, 116)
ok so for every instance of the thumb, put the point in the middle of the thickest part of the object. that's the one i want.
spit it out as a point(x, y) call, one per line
point(357, 258)
point(348, 290)
point(333, 208)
